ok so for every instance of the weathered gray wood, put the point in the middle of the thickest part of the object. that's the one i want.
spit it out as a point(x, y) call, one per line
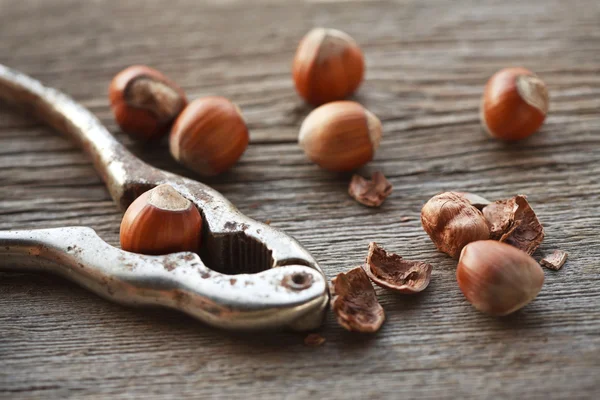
point(427, 64)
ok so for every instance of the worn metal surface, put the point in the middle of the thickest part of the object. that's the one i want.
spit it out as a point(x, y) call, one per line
point(427, 63)
point(291, 296)
point(235, 243)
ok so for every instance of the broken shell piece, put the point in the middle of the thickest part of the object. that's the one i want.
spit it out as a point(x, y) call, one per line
point(314, 340)
point(500, 216)
point(476, 201)
point(554, 261)
point(514, 222)
point(370, 193)
point(354, 302)
point(391, 271)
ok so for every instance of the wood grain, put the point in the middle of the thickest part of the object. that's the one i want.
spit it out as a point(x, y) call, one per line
point(427, 62)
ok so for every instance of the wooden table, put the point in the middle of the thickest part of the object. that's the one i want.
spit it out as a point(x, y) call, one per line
point(427, 64)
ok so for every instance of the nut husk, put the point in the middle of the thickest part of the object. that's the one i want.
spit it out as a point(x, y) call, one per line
point(452, 222)
point(391, 271)
point(354, 302)
point(514, 222)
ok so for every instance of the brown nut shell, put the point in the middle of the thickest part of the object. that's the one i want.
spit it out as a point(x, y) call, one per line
point(314, 340)
point(513, 221)
point(452, 222)
point(209, 136)
point(145, 102)
point(554, 261)
point(391, 271)
point(161, 221)
point(371, 193)
point(496, 278)
point(514, 105)
point(328, 66)
point(354, 302)
point(340, 136)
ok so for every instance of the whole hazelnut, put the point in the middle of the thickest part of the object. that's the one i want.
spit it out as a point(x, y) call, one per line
point(514, 105)
point(209, 136)
point(452, 222)
point(497, 278)
point(328, 66)
point(161, 221)
point(340, 136)
point(145, 102)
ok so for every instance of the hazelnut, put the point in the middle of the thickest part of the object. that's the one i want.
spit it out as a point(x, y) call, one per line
point(328, 66)
point(451, 221)
point(145, 102)
point(209, 136)
point(340, 136)
point(161, 221)
point(514, 104)
point(497, 278)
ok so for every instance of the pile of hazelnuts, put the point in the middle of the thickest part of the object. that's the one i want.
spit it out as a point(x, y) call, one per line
point(209, 135)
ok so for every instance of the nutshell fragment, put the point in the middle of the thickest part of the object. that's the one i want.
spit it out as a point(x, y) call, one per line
point(314, 340)
point(391, 271)
point(500, 216)
point(354, 302)
point(370, 193)
point(514, 222)
point(554, 261)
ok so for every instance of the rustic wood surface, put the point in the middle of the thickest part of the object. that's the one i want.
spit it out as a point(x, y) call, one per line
point(427, 64)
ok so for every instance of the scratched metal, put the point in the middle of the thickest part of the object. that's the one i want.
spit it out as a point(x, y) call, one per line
point(293, 295)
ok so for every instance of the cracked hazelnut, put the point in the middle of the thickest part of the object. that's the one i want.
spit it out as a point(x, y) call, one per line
point(161, 221)
point(209, 136)
point(452, 222)
point(328, 66)
point(496, 278)
point(391, 271)
point(514, 105)
point(145, 102)
point(354, 302)
point(513, 221)
point(340, 136)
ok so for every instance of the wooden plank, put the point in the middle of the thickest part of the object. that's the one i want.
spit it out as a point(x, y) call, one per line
point(427, 64)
